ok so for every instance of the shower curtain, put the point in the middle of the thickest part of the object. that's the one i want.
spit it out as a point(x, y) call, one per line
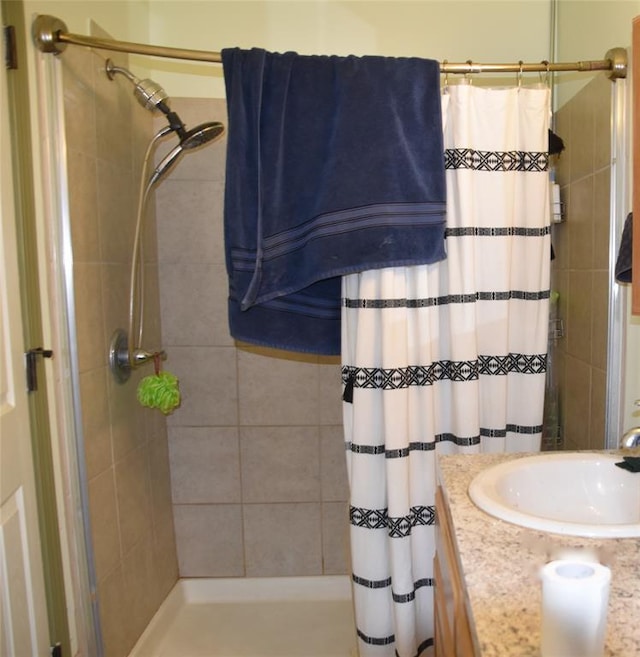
point(446, 358)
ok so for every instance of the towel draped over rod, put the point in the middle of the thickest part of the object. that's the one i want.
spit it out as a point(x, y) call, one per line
point(50, 34)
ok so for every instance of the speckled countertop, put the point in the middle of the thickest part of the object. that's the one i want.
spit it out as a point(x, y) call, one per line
point(500, 562)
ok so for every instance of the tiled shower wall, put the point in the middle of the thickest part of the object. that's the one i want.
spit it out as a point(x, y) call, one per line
point(126, 449)
point(581, 268)
point(258, 471)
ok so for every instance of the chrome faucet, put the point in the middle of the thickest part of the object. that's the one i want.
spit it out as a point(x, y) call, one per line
point(631, 438)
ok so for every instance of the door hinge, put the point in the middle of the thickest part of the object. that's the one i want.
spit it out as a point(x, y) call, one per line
point(56, 651)
point(10, 48)
point(31, 358)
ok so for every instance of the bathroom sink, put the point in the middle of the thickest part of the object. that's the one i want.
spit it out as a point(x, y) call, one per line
point(573, 493)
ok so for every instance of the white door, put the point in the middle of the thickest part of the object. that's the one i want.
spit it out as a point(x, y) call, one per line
point(23, 615)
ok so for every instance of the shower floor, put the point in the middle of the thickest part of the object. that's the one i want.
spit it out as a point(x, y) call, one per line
point(253, 617)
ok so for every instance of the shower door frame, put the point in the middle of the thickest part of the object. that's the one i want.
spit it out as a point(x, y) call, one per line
point(619, 205)
point(64, 380)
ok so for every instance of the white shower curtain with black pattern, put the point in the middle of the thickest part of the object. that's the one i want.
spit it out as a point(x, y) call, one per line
point(446, 358)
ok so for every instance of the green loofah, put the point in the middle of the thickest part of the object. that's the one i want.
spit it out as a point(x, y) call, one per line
point(159, 391)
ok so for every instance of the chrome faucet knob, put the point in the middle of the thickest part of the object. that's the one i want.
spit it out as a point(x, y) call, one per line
point(140, 356)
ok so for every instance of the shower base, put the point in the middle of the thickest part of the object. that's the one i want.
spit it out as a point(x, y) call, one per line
point(253, 617)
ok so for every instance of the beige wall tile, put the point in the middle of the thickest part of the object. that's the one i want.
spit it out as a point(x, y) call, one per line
point(89, 316)
point(333, 464)
point(598, 409)
point(195, 296)
point(277, 391)
point(113, 124)
point(602, 93)
point(155, 426)
point(165, 556)
point(600, 320)
point(601, 218)
point(83, 204)
point(104, 523)
point(160, 480)
point(205, 465)
point(95, 421)
point(115, 298)
point(280, 464)
point(116, 212)
point(330, 395)
point(79, 101)
point(283, 539)
point(127, 422)
point(152, 333)
point(210, 540)
point(335, 539)
point(149, 238)
point(579, 309)
point(133, 495)
point(582, 136)
point(576, 402)
point(141, 584)
point(189, 214)
point(580, 224)
point(116, 624)
point(208, 386)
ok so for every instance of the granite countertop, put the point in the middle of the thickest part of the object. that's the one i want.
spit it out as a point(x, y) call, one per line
point(500, 563)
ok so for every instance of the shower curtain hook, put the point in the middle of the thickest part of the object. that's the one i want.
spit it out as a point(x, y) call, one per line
point(545, 79)
point(547, 76)
point(520, 74)
point(445, 88)
point(467, 75)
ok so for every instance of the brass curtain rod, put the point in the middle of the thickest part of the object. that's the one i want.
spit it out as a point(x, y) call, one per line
point(50, 35)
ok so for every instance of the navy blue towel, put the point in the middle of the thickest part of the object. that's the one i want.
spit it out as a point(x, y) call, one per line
point(623, 269)
point(334, 165)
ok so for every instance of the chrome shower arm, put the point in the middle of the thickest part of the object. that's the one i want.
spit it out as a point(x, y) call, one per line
point(112, 69)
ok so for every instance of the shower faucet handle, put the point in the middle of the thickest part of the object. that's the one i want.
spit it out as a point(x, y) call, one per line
point(122, 360)
point(140, 356)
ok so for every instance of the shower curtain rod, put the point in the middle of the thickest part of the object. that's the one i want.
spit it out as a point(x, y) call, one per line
point(50, 35)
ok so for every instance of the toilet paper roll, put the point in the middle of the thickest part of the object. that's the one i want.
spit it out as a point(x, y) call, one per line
point(575, 596)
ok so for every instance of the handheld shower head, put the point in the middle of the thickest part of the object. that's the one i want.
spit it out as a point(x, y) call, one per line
point(189, 140)
point(152, 97)
point(200, 135)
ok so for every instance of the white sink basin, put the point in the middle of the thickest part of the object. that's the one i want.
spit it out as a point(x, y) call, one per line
point(574, 493)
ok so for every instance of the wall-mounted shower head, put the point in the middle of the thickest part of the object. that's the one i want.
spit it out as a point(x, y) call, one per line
point(147, 92)
point(153, 97)
point(189, 140)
